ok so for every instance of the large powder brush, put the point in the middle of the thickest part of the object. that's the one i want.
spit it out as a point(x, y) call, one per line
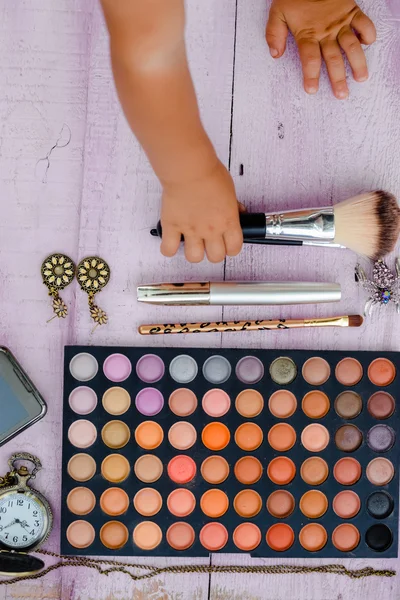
point(368, 224)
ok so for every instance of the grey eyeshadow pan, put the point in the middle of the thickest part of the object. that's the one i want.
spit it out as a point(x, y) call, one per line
point(217, 369)
point(381, 438)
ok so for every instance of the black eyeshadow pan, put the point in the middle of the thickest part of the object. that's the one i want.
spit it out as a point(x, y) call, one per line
point(379, 537)
point(380, 505)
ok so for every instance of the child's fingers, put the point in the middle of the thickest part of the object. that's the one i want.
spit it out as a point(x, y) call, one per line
point(336, 69)
point(354, 52)
point(233, 241)
point(170, 241)
point(194, 249)
point(215, 249)
point(364, 27)
point(310, 56)
point(276, 33)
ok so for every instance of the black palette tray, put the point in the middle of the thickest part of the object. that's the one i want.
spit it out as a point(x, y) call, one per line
point(299, 387)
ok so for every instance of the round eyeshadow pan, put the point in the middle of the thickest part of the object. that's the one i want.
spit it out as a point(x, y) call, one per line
point(115, 434)
point(215, 436)
point(81, 501)
point(148, 468)
point(249, 370)
point(314, 470)
point(313, 537)
point(247, 537)
point(115, 468)
point(182, 402)
point(147, 502)
point(348, 405)
point(216, 403)
point(117, 367)
point(346, 504)
point(283, 370)
point(80, 534)
point(282, 404)
point(182, 435)
point(82, 433)
point(181, 469)
point(150, 368)
point(114, 501)
point(316, 371)
point(83, 400)
point(249, 403)
point(181, 502)
point(180, 535)
point(347, 471)
point(315, 437)
point(215, 469)
point(379, 537)
point(147, 535)
point(280, 504)
point(248, 470)
point(183, 368)
point(281, 470)
point(381, 405)
point(214, 503)
point(217, 369)
point(114, 535)
point(381, 372)
point(248, 436)
point(381, 438)
point(315, 404)
point(81, 467)
point(349, 371)
point(380, 471)
point(149, 401)
point(280, 537)
point(247, 503)
point(380, 504)
point(149, 435)
point(213, 536)
point(346, 537)
point(116, 401)
point(313, 504)
point(282, 437)
point(83, 367)
point(348, 438)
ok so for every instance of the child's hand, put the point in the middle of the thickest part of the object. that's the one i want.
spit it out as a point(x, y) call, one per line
point(327, 27)
point(206, 212)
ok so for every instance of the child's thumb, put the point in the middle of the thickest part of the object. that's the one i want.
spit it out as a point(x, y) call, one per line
point(276, 34)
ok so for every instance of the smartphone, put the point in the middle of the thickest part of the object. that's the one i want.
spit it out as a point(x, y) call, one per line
point(21, 404)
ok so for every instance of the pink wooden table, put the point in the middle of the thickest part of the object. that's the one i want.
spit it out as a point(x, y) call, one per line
point(99, 195)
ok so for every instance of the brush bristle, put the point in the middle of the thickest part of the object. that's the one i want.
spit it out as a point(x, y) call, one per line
point(369, 224)
point(355, 320)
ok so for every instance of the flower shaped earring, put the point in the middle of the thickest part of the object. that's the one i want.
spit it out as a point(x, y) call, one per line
point(93, 274)
point(58, 271)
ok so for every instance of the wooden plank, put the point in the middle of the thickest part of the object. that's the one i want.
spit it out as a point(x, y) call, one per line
point(302, 151)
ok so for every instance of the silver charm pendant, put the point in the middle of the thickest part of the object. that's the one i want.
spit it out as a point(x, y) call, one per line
point(383, 288)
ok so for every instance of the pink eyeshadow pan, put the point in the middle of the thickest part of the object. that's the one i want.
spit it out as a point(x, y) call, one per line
point(150, 368)
point(117, 367)
point(216, 403)
point(83, 400)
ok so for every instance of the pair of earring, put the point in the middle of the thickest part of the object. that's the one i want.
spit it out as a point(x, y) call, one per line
point(92, 274)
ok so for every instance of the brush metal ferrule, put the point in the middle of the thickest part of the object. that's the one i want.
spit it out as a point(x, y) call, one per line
point(310, 224)
point(175, 294)
point(327, 322)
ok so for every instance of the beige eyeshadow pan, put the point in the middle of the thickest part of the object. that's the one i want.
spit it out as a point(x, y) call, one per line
point(81, 467)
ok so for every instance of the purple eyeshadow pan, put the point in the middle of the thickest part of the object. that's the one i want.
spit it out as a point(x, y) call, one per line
point(149, 401)
point(117, 367)
point(249, 370)
point(150, 368)
point(381, 438)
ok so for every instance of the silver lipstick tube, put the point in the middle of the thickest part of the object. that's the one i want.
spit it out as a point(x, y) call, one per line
point(312, 225)
point(245, 293)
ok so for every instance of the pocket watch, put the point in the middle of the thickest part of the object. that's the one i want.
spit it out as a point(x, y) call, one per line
point(26, 518)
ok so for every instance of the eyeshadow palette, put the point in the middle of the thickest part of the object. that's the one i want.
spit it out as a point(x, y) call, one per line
point(171, 452)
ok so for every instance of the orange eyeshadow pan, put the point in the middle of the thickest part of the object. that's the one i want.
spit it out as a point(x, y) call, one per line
point(180, 453)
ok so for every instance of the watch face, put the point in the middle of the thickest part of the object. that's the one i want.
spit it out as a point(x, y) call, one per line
point(23, 519)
